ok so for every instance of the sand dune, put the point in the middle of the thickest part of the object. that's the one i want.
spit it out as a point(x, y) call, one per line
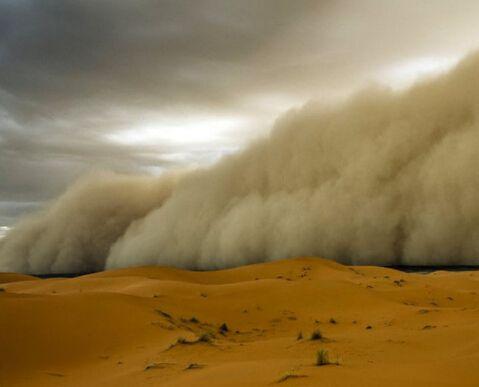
point(15, 277)
point(160, 326)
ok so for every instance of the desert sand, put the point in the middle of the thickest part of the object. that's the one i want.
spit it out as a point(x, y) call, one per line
point(156, 326)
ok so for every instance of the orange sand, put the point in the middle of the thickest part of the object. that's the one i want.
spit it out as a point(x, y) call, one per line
point(121, 327)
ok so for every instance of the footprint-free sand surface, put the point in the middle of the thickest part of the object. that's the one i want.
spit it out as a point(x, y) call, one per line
point(159, 326)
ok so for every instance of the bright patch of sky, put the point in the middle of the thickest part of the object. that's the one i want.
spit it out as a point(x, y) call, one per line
point(179, 130)
point(3, 231)
point(404, 74)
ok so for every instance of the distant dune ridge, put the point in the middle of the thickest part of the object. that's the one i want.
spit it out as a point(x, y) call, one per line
point(385, 178)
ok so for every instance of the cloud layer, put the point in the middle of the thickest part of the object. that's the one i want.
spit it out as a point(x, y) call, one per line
point(76, 77)
point(384, 178)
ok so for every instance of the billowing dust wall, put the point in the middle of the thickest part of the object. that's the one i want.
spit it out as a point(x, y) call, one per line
point(385, 178)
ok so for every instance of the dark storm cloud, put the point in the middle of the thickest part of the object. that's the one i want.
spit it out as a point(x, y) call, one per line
point(11, 210)
point(72, 73)
point(155, 54)
point(174, 51)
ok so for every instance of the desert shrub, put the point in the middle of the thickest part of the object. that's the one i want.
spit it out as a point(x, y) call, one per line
point(224, 328)
point(316, 335)
point(182, 340)
point(322, 358)
point(205, 338)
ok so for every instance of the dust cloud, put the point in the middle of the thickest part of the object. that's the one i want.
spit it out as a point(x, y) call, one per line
point(385, 178)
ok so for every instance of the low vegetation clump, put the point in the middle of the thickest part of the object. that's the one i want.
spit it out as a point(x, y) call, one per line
point(162, 313)
point(223, 328)
point(316, 335)
point(205, 338)
point(322, 358)
point(153, 366)
point(300, 336)
point(182, 340)
point(194, 366)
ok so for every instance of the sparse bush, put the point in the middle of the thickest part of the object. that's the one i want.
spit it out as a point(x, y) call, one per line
point(316, 335)
point(205, 338)
point(193, 366)
point(332, 321)
point(151, 366)
point(322, 358)
point(182, 340)
point(223, 328)
point(194, 320)
point(162, 313)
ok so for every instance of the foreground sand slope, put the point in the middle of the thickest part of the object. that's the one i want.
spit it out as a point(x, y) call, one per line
point(162, 327)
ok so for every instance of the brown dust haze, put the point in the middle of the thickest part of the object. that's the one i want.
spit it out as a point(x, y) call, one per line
point(385, 178)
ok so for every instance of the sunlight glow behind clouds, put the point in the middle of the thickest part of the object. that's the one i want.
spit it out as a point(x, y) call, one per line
point(219, 132)
point(3, 231)
point(180, 130)
point(404, 74)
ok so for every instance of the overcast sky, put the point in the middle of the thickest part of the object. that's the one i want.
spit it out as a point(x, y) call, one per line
point(143, 86)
